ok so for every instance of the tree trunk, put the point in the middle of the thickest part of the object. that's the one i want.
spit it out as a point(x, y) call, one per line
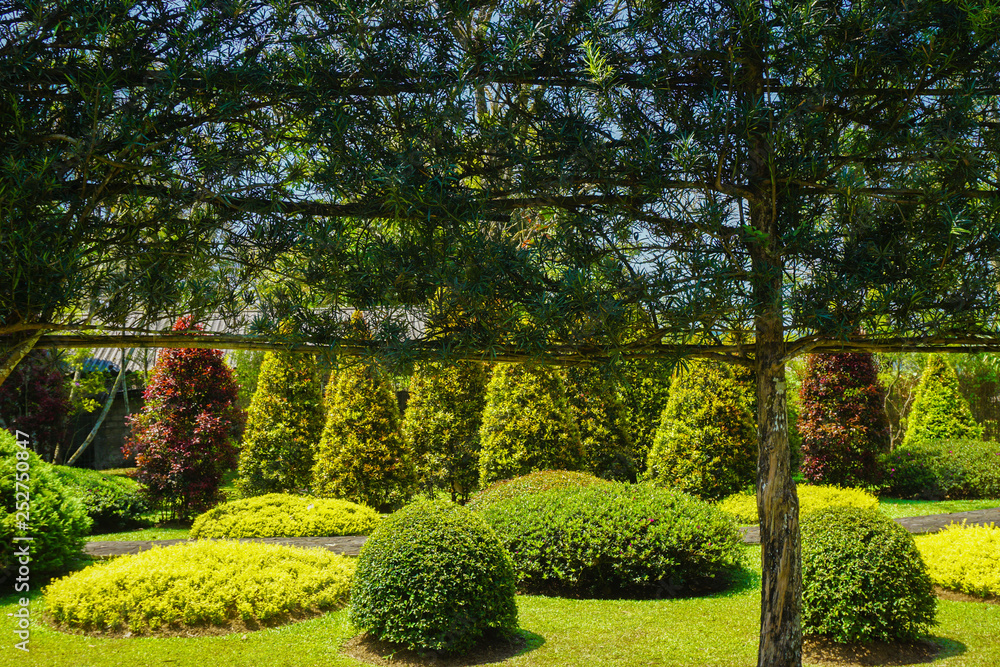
point(777, 501)
point(16, 353)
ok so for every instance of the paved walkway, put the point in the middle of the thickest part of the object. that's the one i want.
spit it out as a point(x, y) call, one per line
point(915, 524)
point(351, 546)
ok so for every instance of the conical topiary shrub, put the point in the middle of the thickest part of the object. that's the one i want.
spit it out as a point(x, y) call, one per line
point(183, 438)
point(362, 456)
point(527, 425)
point(842, 419)
point(441, 426)
point(939, 410)
point(644, 391)
point(707, 441)
point(284, 426)
point(600, 416)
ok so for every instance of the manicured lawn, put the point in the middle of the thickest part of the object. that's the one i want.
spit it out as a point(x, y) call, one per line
point(717, 630)
point(165, 533)
point(899, 508)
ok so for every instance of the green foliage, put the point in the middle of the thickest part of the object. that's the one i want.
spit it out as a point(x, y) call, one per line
point(812, 498)
point(433, 576)
point(197, 585)
point(362, 456)
point(707, 440)
point(284, 424)
point(113, 502)
point(534, 482)
point(937, 469)
point(842, 420)
point(282, 515)
point(441, 426)
point(862, 578)
point(963, 558)
point(246, 369)
point(644, 390)
point(614, 540)
point(599, 414)
point(527, 425)
point(31, 492)
point(939, 410)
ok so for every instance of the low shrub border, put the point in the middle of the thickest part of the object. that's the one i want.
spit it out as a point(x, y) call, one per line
point(812, 498)
point(284, 515)
point(964, 558)
point(199, 585)
point(615, 540)
point(113, 502)
point(939, 469)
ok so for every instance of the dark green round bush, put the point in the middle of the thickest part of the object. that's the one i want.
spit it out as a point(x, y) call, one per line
point(615, 540)
point(534, 482)
point(55, 517)
point(433, 576)
point(284, 515)
point(113, 502)
point(937, 469)
point(862, 578)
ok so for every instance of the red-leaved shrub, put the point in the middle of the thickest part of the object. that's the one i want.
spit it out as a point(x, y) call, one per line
point(33, 399)
point(183, 439)
point(842, 420)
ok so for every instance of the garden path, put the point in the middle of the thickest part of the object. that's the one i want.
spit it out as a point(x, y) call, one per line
point(351, 545)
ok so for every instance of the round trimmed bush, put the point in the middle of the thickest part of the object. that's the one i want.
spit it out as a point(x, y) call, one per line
point(534, 482)
point(283, 515)
point(615, 540)
point(56, 518)
point(527, 425)
point(964, 558)
point(863, 578)
point(433, 576)
point(113, 502)
point(198, 585)
point(707, 440)
point(812, 498)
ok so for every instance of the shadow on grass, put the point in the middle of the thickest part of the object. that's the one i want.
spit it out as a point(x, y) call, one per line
point(891, 654)
point(491, 649)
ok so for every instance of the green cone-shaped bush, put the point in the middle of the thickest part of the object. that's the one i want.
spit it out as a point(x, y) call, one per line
point(362, 456)
point(939, 411)
point(527, 425)
point(284, 424)
point(441, 426)
point(644, 391)
point(600, 416)
point(707, 441)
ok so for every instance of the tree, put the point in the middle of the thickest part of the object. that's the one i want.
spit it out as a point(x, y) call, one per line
point(182, 440)
point(34, 400)
point(843, 422)
point(644, 390)
point(527, 425)
point(798, 178)
point(284, 425)
point(598, 412)
point(441, 426)
point(939, 409)
point(362, 455)
point(706, 443)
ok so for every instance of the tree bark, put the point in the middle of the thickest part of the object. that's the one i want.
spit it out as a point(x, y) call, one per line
point(777, 501)
point(18, 352)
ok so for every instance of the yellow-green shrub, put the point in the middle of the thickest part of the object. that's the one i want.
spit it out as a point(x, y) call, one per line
point(964, 558)
point(812, 498)
point(535, 482)
point(283, 515)
point(197, 585)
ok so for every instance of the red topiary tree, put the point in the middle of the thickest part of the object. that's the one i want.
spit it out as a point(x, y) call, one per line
point(842, 419)
point(183, 439)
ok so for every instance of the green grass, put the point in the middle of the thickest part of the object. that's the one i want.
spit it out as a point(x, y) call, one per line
point(164, 533)
point(719, 630)
point(900, 508)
